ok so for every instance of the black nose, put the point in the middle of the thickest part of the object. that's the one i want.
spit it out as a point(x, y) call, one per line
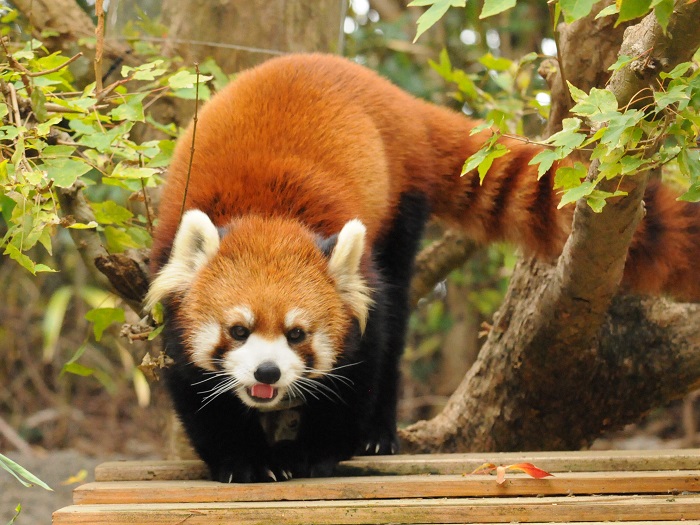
point(268, 372)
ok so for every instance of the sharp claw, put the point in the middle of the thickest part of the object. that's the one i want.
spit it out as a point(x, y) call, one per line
point(376, 449)
point(272, 475)
point(394, 448)
point(367, 447)
point(230, 477)
point(285, 475)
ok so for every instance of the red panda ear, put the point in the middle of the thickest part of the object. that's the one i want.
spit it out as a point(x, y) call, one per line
point(344, 267)
point(195, 244)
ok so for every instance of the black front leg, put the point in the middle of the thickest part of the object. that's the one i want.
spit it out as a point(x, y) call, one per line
point(225, 433)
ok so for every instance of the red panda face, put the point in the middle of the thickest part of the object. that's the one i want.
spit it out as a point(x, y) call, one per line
point(263, 307)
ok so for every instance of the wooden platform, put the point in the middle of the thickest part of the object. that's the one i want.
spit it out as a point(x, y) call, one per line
point(586, 487)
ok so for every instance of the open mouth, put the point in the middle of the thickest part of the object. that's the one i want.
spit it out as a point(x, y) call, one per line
point(262, 392)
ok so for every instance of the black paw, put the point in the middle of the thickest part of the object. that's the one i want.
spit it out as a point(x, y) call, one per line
point(247, 471)
point(379, 444)
point(302, 462)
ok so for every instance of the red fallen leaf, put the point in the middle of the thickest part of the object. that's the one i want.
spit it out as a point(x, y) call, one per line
point(527, 468)
point(530, 470)
point(484, 468)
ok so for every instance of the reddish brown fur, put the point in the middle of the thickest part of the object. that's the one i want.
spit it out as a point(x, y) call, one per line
point(263, 254)
point(324, 140)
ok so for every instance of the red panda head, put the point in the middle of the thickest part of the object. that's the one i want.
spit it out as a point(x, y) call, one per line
point(264, 305)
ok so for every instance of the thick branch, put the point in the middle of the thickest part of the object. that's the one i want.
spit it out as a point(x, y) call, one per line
point(547, 365)
point(436, 261)
point(587, 47)
point(657, 52)
point(125, 274)
point(648, 353)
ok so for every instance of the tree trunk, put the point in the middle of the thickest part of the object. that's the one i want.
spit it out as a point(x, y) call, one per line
point(560, 366)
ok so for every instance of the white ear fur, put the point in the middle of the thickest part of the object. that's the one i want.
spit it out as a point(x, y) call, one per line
point(195, 244)
point(344, 267)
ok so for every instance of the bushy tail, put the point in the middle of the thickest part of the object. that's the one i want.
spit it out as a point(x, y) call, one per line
point(512, 205)
point(664, 257)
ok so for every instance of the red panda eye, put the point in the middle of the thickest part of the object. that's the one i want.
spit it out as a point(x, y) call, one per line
point(296, 335)
point(239, 333)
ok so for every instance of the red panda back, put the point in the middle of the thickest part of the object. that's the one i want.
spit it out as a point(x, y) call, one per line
point(325, 140)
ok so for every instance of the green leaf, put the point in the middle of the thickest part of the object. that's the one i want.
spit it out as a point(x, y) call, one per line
point(65, 172)
point(662, 11)
point(44, 128)
point(38, 99)
point(677, 94)
point(25, 477)
point(631, 164)
point(101, 318)
point(493, 7)
point(577, 193)
point(607, 11)
point(54, 314)
point(677, 71)
point(118, 240)
point(77, 369)
point(693, 193)
point(621, 61)
point(544, 161)
point(568, 177)
point(124, 170)
point(481, 127)
point(576, 94)
point(568, 138)
point(109, 212)
point(497, 151)
point(497, 64)
point(576, 9)
point(598, 101)
point(25, 261)
point(156, 332)
point(186, 79)
point(631, 9)
point(436, 10)
point(131, 109)
point(18, 510)
point(82, 226)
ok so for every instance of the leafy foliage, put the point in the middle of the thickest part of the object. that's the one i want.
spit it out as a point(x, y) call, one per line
point(54, 135)
point(623, 140)
point(25, 477)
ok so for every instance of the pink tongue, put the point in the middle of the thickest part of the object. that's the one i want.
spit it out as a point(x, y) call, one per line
point(262, 391)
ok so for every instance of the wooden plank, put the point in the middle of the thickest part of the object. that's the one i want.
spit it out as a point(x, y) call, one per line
point(388, 487)
point(591, 461)
point(578, 461)
point(406, 511)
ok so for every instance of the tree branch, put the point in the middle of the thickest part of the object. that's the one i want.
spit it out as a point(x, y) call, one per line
point(437, 260)
point(547, 364)
point(126, 275)
point(66, 18)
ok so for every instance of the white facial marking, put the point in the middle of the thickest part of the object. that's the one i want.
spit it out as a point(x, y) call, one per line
point(296, 317)
point(240, 315)
point(323, 351)
point(202, 343)
point(242, 362)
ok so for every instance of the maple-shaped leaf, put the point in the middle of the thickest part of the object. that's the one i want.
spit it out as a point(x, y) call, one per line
point(530, 469)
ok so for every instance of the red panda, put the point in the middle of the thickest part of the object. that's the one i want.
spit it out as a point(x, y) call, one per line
point(285, 283)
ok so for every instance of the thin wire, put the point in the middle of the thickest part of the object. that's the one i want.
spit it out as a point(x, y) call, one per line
point(213, 44)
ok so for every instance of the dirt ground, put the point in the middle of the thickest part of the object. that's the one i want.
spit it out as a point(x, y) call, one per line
point(54, 468)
